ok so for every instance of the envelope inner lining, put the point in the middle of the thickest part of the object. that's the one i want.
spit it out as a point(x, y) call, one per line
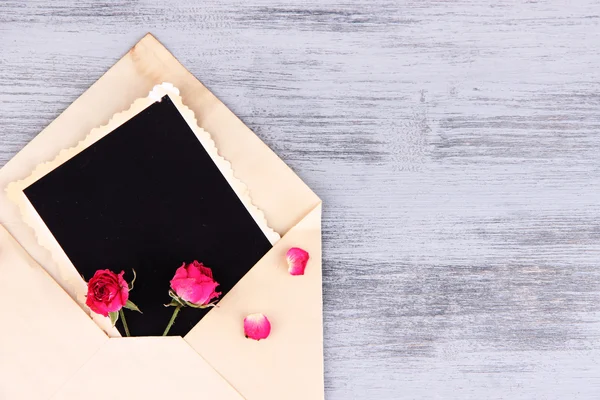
point(149, 197)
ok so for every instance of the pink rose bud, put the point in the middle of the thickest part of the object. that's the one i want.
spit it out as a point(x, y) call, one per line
point(257, 326)
point(194, 283)
point(296, 259)
point(107, 292)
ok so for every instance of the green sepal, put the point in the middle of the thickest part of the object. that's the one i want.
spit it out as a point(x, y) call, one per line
point(114, 317)
point(187, 303)
point(178, 301)
point(130, 306)
point(133, 281)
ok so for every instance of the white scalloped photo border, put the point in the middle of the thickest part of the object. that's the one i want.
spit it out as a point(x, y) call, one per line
point(71, 280)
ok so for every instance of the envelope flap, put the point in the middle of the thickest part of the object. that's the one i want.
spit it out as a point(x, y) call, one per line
point(146, 368)
point(45, 336)
point(273, 187)
point(289, 363)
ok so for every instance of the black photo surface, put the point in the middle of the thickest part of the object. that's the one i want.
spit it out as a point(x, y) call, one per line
point(149, 197)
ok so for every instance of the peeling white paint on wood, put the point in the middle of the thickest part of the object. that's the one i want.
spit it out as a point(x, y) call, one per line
point(455, 146)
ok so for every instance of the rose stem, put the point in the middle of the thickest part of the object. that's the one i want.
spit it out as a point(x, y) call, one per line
point(172, 320)
point(124, 323)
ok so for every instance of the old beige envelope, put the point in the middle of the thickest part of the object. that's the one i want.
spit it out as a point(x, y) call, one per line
point(50, 348)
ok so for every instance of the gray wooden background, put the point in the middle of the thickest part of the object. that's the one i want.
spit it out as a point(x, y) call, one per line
point(455, 145)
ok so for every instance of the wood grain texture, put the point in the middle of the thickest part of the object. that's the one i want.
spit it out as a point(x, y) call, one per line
point(455, 146)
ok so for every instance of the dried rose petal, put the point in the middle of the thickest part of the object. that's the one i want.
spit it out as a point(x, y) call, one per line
point(257, 326)
point(296, 259)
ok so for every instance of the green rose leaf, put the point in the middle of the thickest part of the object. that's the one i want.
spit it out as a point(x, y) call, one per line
point(130, 306)
point(114, 317)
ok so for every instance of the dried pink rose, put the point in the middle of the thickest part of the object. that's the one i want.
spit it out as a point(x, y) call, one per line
point(195, 284)
point(257, 326)
point(192, 286)
point(297, 259)
point(107, 292)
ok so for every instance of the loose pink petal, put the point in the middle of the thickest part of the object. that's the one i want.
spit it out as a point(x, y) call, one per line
point(297, 259)
point(257, 326)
